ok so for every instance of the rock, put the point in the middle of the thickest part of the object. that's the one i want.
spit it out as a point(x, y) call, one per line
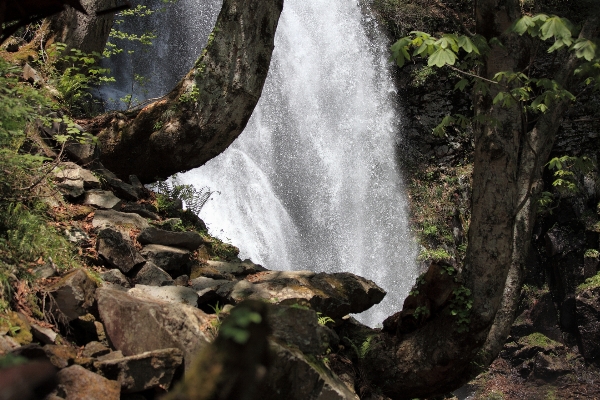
point(122, 189)
point(74, 294)
point(116, 251)
point(138, 186)
point(299, 327)
point(44, 271)
point(82, 153)
point(115, 276)
point(182, 280)
point(60, 356)
point(151, 275)
point(171, 294)
point(113, 355)
point(76, 235)
point(7, 344)
point(95, 349)
point(245, 267)
point(148, 370)
point(77, 383)
point(72, 180)
point(208, 291)
point(102, 199)
point(204, 270)
point(135, 326)
point(144, 210)
point(171, 259)
point(44, 335)
point(187, 240)
point(334, 295)
point(588, 321)
point(123, 222)
point(31, 75)
point(549, 367)
point(293, 376)
point(17, 326)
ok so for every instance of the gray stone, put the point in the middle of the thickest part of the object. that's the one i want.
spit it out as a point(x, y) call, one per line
point(30, 74)
point(293, 377)
point(7, 344)
point(115, 276)
point(123, 222)
point(77, 383)
point(44, 335)
point(208, 289)
point(95, 349)
point(138, 186)
point(148, 370)
point(113, 355)
point(299, 327)
point(73, 180)
point(116, 251)
point(44, 271)
point(76, 235)
point(141, 209)
point(74, 294)
point(135, 326)
point(82, 153)
point(171, 259)
point(102, 199)
point(121, 188)
point(588, 322)
point(245, 267)
point(152, 275)
point(171, 294)
point(334, 295)
point(187, 240)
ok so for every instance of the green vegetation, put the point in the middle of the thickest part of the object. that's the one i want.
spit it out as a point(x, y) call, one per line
point(323, 319)
point(590, 283)
point(168, 191)
point(460, 307)
point(538, 339)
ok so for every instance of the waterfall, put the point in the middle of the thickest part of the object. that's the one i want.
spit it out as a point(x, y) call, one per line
point(313, 183)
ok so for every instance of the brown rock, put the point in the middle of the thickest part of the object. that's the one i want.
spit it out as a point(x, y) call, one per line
point(77, 383)
point(74, 294)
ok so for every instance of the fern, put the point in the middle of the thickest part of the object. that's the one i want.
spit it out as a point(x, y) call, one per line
point(194, 199)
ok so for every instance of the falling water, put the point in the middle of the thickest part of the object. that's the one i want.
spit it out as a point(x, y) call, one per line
point(313, 183)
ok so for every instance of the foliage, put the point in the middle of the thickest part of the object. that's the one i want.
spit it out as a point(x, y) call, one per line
point(590, 283)
point(591, 253)
point(460, 307)
point(170, 190)
point(236, 326)
point(438, 254)
point(364, 348)
point(323, 319)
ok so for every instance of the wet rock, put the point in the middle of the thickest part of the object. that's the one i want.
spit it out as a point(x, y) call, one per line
point(123, 222)
point(297, 376)
point(334, 295)
point(102, 199)
point(135, 326)
point(144, 210)
point(588, 321)
point(77, 383)
point(148, 370)
point(116, 276)
point(116, 251)
point(95, 349)
point(151, 275)
point(299, 327)
point(173, 260)
point(74, 294)
point(170, 294)
point(235, 268)
point(186, 240)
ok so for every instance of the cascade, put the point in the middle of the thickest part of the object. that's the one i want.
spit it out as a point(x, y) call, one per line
point(313, 182)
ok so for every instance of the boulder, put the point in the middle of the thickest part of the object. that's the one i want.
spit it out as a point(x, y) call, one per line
point(588, 321)
point(123, 222)
point(115, 276)
point(42, 334)
point(152, 275)
point(334, 295)
point(170, 294)
point(77, 383)
point(208, 290)
point(204, 270)
point(171, 259)
point(116, 251)
point(148, 370)
point(144, 210)
point(7, 344)
point(73, 180)
point(95, 349)
point(186, 240)
point(135, 326)
point(76, 235)
point(74, 294)
point(295, 376)
point(102, 199)
point(245, 267)
point(122, 189)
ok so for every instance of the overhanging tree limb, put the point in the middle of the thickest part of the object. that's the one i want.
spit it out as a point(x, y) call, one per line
point(209, 107)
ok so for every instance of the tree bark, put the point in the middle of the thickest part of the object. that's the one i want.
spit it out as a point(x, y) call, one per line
point(508, 162)
point(207, 110)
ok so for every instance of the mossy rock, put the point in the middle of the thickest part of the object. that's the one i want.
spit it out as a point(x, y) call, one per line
point(16, 326)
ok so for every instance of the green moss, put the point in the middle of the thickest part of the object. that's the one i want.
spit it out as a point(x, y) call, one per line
point(590, 283)
point(538, 339)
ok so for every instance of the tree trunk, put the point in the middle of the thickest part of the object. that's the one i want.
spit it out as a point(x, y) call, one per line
point(207, 110)
point(508, 161)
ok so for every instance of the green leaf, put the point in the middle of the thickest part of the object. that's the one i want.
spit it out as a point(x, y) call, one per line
point(467, 45)
point(585, 49)
point(555, 27)
point(523, 24)
point(461, 85)
point(442, 57)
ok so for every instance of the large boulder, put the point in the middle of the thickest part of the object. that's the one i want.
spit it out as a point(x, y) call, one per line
point(299, 327)
point(334, 295)
point(137, 325)
point(246, 267)
point(186, 240)
point(73, 180)
point(102, 199)
point(149, 370)
point(588, 321)
point(152, 275)
point(123, 222)
point(171, 259)
point(117, 251)
point(77, 383)
point(170, 294)
point(74, 294)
